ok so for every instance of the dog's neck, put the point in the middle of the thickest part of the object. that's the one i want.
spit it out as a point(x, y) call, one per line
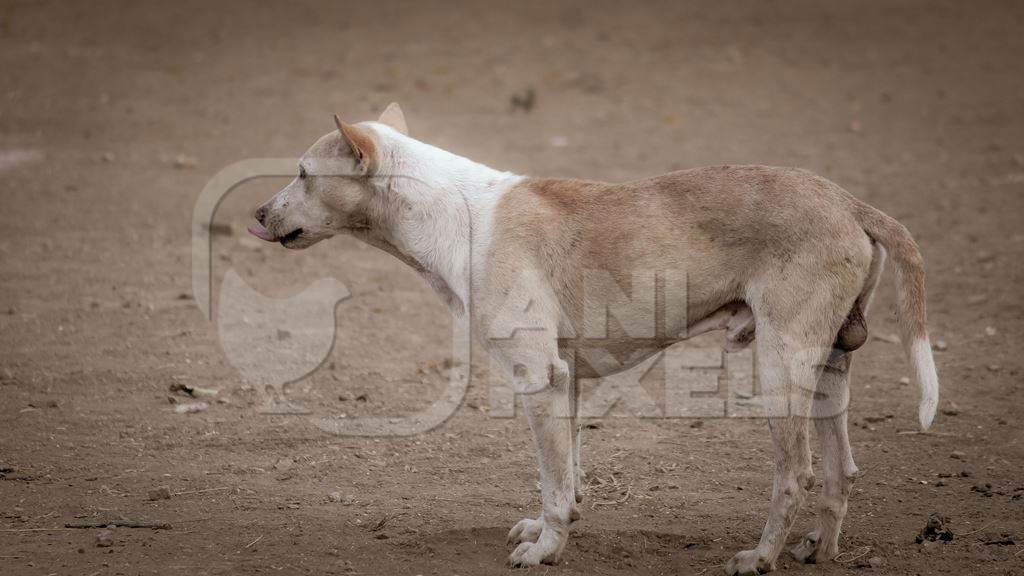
point(434, 211)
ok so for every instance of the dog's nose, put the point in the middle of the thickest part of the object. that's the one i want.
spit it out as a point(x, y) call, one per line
point(261, 215)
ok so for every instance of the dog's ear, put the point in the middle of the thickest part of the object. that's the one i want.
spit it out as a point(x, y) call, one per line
point(361, 143)
point(392, 116)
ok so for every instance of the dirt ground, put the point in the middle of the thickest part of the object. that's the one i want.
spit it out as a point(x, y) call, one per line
point(116, 114)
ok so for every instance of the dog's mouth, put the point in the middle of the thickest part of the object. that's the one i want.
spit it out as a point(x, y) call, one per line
point(263, 234)
point(293, 235)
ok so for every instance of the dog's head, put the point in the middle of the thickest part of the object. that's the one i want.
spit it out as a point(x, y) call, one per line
point(333, 189)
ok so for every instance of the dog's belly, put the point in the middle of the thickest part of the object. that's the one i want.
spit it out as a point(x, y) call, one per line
point(608, 357)
point(596, 358)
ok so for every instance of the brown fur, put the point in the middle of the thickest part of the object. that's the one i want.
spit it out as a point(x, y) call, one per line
point(362, 144)
point(909, 265)
point(725, 227)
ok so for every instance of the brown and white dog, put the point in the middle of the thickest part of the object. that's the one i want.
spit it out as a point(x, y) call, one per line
point(773, 255)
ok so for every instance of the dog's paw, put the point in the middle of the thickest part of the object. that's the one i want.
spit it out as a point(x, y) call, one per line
point(543, 551)
point(805, 550)
point(526, 530)
point(748, 563)
point(811, 550)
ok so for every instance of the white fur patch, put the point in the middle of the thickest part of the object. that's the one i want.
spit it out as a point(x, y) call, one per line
point(924, 370)
point(446, 190)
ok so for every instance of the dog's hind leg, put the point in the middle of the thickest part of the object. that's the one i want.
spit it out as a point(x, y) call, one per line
point(793, 476)
point(838, 469)
point(798, 312)
point(830, 420)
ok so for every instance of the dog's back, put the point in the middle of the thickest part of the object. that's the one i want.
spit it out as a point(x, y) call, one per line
point(732, 220)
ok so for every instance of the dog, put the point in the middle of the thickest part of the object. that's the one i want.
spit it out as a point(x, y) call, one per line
point(777, 257)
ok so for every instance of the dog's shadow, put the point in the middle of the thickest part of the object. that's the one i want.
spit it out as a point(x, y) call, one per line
point(483, 550)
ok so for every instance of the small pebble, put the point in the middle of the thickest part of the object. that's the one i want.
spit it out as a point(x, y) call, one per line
point(940, 346)
point(160, 493)
point(875, 562)
point(957, 455)
point(905, 381)
point(183, 161)
point(105, 539)
point(990, 331)
point(191, 407)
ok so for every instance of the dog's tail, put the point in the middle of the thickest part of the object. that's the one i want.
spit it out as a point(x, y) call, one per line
point(911, 308)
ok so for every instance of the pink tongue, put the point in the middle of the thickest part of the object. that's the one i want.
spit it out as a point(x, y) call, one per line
point(262, 233)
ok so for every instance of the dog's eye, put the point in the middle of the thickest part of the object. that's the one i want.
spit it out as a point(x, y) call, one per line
point(302, 173)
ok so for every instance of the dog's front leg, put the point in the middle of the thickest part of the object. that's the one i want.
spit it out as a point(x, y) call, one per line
point(542, 540)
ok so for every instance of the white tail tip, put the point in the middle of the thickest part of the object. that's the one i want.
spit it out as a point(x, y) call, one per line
point(924, 371)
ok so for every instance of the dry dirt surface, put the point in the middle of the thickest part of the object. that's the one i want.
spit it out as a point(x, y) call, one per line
point(116, 114)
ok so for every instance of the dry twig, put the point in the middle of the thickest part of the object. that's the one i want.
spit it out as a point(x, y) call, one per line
point(120, 524)
point(855, 554)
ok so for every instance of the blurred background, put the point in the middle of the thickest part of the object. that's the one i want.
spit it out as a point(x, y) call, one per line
point(114, 116)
